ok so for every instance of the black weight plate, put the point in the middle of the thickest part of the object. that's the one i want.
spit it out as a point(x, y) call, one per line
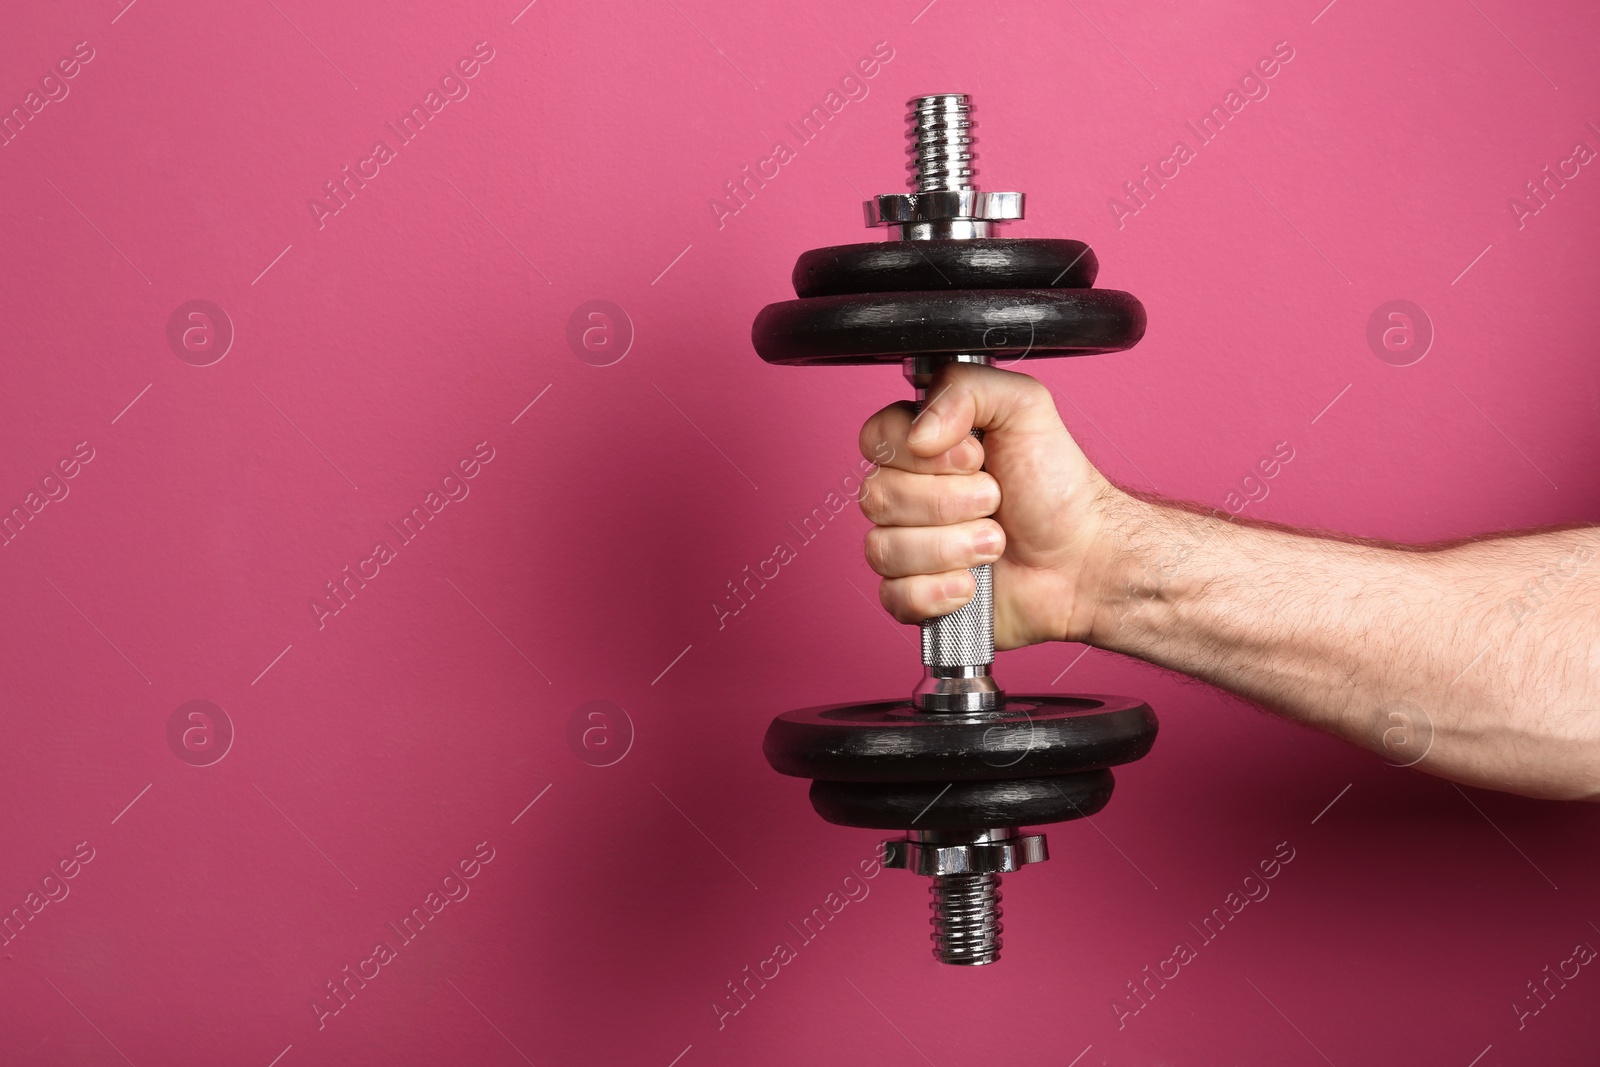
point(962, 805)
point(1007, 324)
point(912, 266)
point(890, 741)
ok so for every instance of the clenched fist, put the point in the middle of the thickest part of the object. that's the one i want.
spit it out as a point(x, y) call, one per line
point(1024, 498)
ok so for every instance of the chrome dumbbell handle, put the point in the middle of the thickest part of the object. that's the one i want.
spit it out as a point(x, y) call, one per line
point(943, 203)
point(957, 649)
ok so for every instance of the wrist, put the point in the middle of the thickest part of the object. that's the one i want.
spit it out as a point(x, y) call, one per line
point(1141, 566)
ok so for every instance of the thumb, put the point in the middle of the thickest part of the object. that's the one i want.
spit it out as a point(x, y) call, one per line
point(968, 396)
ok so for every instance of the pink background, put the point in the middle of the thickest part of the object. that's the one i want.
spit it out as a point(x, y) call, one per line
point(371, 355)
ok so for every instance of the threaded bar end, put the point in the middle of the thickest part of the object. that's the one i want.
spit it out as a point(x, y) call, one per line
point(966, 918)
point(939, 129)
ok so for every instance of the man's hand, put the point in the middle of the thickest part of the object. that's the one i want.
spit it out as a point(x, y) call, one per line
point(1026, 500)
point(1478, 661)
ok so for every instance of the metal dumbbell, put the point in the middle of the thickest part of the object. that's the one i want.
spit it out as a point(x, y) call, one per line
point(960, 766)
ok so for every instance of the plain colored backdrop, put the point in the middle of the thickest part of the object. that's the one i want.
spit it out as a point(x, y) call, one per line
point(374, 349)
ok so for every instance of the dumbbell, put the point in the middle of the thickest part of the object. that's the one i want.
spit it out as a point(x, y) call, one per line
point(960, 766)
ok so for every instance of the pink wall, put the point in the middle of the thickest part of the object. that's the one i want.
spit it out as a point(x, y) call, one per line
point(375, 350)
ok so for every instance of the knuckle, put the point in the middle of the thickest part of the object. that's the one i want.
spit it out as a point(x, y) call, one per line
point(1032, 394)
point(873, 438)
point(876, 550)
point(891, 596)
point(881, 433)
point(866, 437)
point(874, 499)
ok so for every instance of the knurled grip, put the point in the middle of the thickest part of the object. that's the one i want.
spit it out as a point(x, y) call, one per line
point(964, 638)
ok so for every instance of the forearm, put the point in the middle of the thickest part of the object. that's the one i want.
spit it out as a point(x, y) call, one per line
point(1478, 658)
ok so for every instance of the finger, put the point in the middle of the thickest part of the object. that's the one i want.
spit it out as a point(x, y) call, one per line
point(967, 396)
point(926, 596)
point(901, 551)
point(893, 497)
point(883, 441)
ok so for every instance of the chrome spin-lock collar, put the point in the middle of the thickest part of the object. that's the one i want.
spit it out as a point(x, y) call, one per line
point(943, 202)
